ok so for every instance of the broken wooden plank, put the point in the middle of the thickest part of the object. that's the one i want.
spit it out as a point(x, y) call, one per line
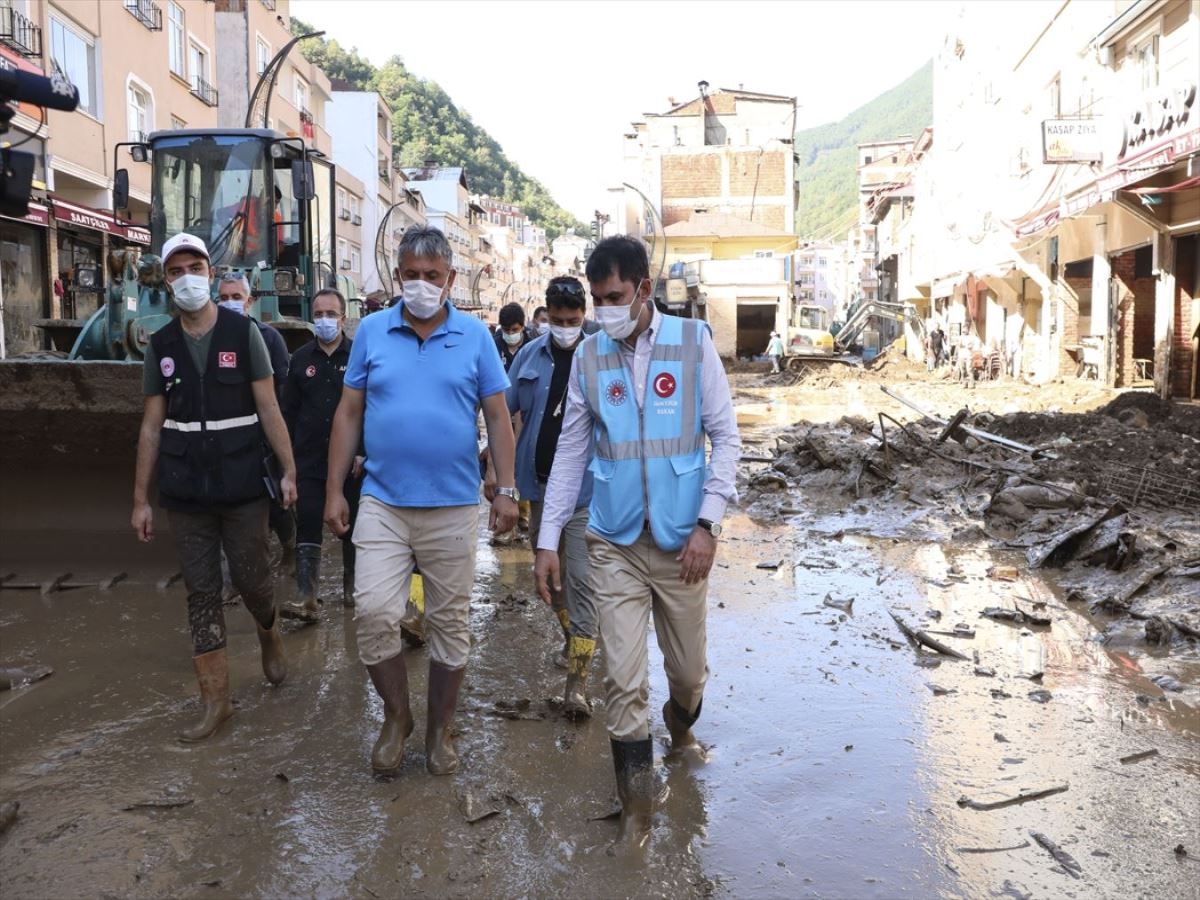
point(922, 638)
point(1061, 856)
point(1023, 797)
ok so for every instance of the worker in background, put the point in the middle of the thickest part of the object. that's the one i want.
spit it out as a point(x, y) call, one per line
point(641, 399)
point(775, 352)
point(417, 377)
point(233, 291)
point(210, 399)
point(510, 338)
point(539, 322)
point(310, 398)
point(537, 396)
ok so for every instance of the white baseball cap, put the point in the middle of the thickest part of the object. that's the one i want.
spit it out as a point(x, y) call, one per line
point(184, 241)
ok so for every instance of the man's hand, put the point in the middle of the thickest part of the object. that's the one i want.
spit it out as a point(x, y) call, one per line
point(697, 556)
point(356, 468)
point(489, 482)
point(337, 513)
point(504, 514)
point(545, 570)
point(143, 522)
point(287, 487)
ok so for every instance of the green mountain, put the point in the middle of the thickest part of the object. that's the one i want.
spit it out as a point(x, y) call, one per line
point(827, 158)
point(428, 126)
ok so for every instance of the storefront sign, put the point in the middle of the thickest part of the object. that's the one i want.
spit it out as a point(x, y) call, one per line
point(676, 290)
point(1159, 114)
point(37, 215)
point(1071, 141)
point(96, 220)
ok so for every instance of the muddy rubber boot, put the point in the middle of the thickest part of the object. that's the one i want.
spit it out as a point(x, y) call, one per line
point(348, 558)
point(412, 623)
point(637, 789)
point(575, 702)
point(212, 674)
point(679, 723)
point(274, 662)
point(562, 660)
point(308, 567)
point(440, 756)
point(390, 678)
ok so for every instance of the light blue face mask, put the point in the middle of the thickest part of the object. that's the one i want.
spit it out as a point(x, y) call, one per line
point(236, 306)
point(327, 330)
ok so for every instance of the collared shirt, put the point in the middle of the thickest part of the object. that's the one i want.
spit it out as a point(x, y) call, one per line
point(277, 347)
point(309, 399)
point(574, 444)
point(422, 398)
point(532, 374)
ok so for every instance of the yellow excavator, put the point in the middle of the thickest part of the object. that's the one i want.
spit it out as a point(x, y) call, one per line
point(813, 339)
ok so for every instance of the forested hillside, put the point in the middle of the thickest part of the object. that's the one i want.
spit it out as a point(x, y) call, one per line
point(827, 168)
point(428, 126)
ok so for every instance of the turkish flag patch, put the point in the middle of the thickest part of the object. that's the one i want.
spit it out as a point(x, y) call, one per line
point(227, 360)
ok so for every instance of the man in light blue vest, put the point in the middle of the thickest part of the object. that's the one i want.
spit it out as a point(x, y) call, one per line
point(643, 396)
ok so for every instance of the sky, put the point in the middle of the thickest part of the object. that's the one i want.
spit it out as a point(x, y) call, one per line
point(558, 83)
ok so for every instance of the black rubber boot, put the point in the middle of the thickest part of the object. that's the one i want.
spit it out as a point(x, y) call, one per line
point(637, 789)
point(308, 568)
point(679, 723)
point(348, 557)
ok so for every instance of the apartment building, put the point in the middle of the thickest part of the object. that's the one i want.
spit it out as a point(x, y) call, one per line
point(819, 273)
point(351, 241)
point(448, 208)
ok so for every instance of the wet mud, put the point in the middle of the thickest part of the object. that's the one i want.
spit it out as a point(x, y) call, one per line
point(839, 754)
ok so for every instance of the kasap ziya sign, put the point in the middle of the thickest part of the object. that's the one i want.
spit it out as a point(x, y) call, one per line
point(1071, 141)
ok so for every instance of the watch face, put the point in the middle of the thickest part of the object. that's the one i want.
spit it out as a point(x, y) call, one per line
point(715, 530)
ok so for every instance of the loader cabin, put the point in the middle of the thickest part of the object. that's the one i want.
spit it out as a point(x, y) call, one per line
point(260, 202)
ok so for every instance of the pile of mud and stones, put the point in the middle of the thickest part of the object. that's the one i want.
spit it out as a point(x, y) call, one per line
point(1110, 499)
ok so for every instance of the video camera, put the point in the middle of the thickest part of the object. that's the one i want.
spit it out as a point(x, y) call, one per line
point(16, 168)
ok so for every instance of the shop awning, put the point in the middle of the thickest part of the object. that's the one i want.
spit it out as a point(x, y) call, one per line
point(98, 220)
point(37, 215)
point(1168, 189)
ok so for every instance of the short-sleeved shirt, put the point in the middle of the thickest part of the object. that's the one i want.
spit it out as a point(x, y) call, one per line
point(153, 382)
point(309, 399)
point(422, 402)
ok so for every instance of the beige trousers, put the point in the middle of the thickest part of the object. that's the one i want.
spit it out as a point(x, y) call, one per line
point(389, 541)
point(630, 583)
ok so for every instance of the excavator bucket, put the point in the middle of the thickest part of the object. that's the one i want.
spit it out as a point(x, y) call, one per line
point(68, 445)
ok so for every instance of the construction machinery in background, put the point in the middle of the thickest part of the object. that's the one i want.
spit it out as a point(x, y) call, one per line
point(814, 341)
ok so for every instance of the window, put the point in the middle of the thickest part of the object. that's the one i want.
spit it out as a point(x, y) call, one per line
point(75, 56)
point(140, 116)
point(175, 39)
point(177, 123)
point(354, 206)
point(355, 259)
point(301, 93)
point(262, 55)
point(1145, 57)
point(343, 253)
point(199, 61)
point(341, 200)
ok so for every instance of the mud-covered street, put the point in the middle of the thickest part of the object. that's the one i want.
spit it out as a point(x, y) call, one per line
point(844, 760)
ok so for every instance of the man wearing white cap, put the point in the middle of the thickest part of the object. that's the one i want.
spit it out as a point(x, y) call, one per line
point(210, 398)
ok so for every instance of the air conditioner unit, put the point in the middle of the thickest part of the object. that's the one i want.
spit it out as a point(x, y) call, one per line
point(344, 214)
point(358, 220)
point(346, 264)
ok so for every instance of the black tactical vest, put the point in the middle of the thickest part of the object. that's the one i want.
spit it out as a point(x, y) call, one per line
point(211, 444)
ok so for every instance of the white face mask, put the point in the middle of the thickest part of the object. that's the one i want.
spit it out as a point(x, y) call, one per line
point(236, 306)
point(543, 327)
point(565, 335)
point(512, 338)
point(421, 298)
point(616, 320)
point(190, 292)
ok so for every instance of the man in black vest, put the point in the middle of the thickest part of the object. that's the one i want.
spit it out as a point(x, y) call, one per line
point(210, 399)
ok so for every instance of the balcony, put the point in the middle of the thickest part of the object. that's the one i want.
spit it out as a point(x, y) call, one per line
point(307, 124)
point(203, 91)
point(147, 12)
point(20, 33)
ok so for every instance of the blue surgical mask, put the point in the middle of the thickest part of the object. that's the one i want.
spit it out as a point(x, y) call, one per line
point(236, 306)
point(327, 330)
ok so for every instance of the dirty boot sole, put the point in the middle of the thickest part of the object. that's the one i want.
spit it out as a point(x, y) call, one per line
point(301, 614)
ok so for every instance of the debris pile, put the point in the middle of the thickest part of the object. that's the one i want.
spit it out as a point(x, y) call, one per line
point(1111, 498)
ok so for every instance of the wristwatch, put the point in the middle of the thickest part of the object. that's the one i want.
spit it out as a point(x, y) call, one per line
point(713, 528)
point(511, 493)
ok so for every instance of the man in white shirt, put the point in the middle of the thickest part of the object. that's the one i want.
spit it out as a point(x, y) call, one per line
point(642, 397)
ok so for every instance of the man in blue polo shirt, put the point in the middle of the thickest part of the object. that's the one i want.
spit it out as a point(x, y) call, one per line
point(417, 374)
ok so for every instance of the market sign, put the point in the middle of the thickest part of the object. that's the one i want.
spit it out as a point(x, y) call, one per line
point(1071, 141)
point(83, 217)
point(1157, 116)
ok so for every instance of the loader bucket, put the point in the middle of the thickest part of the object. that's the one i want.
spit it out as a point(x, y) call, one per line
point(68, 444)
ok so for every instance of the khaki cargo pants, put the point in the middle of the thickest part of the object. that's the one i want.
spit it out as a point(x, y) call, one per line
point(631, 583)
point(390, 541)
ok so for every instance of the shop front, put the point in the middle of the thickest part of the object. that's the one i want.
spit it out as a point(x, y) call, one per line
point(23, 283)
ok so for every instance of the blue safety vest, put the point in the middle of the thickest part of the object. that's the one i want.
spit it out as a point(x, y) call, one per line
point(653, 455)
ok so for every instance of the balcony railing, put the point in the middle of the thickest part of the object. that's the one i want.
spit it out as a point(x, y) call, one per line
point(204, 91)
point(269, 4)
point(147, 12)
point(20, 33)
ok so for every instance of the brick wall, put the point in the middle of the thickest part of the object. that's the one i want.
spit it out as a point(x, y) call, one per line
point(1182, 352)
point(745, 167)
point(692, 175)
point(1069, 328)
point(1135, 317)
